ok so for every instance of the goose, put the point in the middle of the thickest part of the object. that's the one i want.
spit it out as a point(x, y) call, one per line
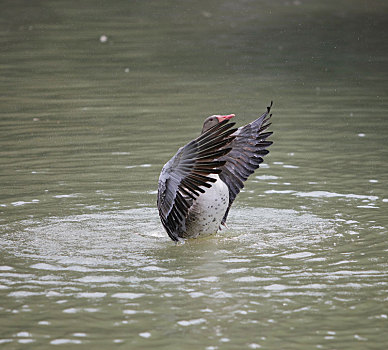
point(198, 185)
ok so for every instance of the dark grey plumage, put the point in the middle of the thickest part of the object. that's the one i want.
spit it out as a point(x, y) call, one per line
point(248, 149)
point(183, 175)
point(233, 154)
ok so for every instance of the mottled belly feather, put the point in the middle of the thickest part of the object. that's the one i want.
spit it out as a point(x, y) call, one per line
point(208, 210)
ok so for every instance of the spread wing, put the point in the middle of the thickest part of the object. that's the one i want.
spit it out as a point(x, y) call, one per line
point(248, 148)
point(183, 177)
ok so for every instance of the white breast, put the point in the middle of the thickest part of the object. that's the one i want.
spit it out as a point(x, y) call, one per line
point(208, 210)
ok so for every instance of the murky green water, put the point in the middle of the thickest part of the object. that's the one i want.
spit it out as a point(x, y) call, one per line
point(96, 96)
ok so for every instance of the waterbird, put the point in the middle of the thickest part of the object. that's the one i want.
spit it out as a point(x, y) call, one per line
point(198, 185)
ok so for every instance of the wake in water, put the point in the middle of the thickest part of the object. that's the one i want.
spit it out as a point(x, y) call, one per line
point(115, 235)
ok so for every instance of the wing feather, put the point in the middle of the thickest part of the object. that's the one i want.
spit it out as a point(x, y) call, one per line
point(186, 174)
point(248, 149)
